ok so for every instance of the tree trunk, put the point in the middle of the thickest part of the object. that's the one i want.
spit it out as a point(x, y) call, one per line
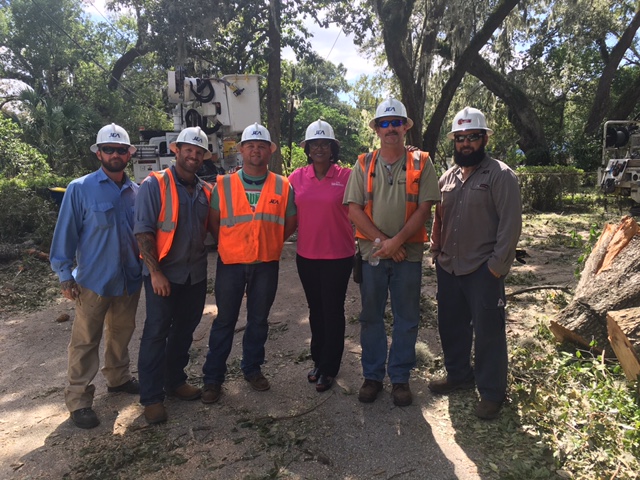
point(624, 332)
point(610, 281)
point(520, 112)
point(431, 135)
point(602, 98)
point(274, 90)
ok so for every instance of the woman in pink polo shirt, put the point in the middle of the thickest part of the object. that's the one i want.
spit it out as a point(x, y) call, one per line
point(325, 248)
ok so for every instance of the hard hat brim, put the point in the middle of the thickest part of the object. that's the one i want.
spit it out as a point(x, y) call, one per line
point(173, 146)
point(304, 142)
point(274, 147)
point(372, 123)
point(453, 133)
point(96, 146)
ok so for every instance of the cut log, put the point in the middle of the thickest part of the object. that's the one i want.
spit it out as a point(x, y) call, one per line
point(609, 282)
point(624, 328)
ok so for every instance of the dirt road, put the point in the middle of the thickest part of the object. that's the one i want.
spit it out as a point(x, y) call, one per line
point(290, 431)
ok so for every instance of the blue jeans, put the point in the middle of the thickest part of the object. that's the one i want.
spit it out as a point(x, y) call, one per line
point(402, 281)
point(166, 338)
point(261, 282)
point(467, 305)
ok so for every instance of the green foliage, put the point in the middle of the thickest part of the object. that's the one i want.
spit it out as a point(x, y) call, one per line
point(18, 159)
point(594, 235)
point(581, 407)
point(542, 187)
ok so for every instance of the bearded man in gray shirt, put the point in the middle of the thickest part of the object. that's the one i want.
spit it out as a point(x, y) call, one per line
point(475, 231)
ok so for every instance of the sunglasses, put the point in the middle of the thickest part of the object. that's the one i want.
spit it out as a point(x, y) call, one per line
point(472, 137)
point(393, 123)
point(110, 150)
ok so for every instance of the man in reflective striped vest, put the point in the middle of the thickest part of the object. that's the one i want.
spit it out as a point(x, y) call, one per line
point(390, 194)
point(171, 226)
point(252, 214)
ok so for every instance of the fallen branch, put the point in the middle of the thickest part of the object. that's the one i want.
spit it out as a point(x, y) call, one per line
point(539, 287)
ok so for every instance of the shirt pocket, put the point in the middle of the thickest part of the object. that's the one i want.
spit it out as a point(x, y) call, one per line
point(104, 214)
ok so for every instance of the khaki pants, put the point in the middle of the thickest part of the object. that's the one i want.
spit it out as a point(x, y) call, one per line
point(117, 317)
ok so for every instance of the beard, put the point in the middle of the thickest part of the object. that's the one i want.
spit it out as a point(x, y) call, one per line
point(114, 167)
point(470, 159)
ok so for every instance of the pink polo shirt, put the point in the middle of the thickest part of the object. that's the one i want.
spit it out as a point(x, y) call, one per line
point(324, 230)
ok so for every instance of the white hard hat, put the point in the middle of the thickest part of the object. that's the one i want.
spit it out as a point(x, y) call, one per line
point(112, 134)
point(391, 108)
point(193, 136)
point(469, 118)
point(318, 131)
point(257, 132)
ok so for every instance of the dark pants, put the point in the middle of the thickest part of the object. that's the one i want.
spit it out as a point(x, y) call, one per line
point(261, 282)
point(167, 337)
point(325, 285)
point(469, 304)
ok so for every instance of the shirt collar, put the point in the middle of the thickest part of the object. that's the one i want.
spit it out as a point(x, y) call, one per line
point(103, 177)
point(310, 172)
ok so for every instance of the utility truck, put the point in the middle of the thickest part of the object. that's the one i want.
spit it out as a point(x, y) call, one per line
point(222, 107)
point(620, 170)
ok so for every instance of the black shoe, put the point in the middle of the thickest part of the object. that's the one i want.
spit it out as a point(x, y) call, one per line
point(369, 391)
point(325, 382)
point(313, 375)
point(132, 387)
point(85, 418)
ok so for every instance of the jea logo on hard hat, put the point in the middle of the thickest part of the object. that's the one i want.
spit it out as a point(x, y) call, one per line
point(256, 133)
point(197, 139)
point(390, 109)
point(114, 135)
point(320, 132)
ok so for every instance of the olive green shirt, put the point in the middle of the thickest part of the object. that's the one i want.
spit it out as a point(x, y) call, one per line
point(389, 204)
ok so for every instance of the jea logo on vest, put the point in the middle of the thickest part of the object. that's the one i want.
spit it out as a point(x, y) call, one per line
point(274, 201)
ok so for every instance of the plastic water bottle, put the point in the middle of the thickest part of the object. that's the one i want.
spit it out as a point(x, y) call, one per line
point(373, 261)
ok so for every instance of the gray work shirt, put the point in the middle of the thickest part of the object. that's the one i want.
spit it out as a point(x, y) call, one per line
point(188, 254)
point(478, 220)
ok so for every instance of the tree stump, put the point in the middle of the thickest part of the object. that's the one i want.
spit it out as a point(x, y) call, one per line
point(610, 281)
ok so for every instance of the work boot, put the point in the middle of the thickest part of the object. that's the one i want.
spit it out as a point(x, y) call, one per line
point(155, 413)
point(258, 381)
point(211, 393)
point(488, 410)
point(401, 394)
point(369, 391)
point(186, 392)
point(444, 386)
point(132, 387)
point(85, 418)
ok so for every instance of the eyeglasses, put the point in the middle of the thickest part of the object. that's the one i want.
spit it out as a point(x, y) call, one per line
point(393, 123)
point(110, 150)
point(472, 137)
point(319, 145)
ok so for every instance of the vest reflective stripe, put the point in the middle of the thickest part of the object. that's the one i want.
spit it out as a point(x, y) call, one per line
point(169, 208)
point(246, 236)
point(415, 163)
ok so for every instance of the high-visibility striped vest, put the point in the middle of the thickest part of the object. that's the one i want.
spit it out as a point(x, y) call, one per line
point(415, 163)
point(247, 236)
point(170, 206)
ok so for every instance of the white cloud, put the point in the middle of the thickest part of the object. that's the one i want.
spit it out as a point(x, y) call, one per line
point(336, 47)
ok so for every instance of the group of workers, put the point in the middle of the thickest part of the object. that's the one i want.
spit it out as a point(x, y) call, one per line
point(113, 235)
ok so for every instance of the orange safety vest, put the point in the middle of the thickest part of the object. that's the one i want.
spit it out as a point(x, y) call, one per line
point(170, 206)
point(415, 163)
point(247, 236)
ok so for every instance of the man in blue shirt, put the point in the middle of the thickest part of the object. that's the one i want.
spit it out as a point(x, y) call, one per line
point(95, 228)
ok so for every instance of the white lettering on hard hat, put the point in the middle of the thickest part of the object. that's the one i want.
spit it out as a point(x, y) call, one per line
point(320, 132)
point(114, 135)
point(390, 109)
point(464, 120)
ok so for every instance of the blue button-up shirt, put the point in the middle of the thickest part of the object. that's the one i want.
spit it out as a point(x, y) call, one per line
point(95, 227)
